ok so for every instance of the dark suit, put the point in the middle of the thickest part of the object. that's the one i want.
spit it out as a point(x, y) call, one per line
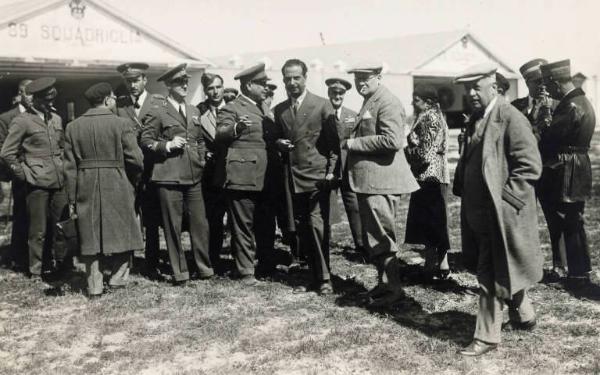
point(250, 172)
point(566, 181)
point(215, 201)
point(178, 175)
point(34, 152)
point(344, 125)
point(18, 236)
point(316, 145)
point(146, 193)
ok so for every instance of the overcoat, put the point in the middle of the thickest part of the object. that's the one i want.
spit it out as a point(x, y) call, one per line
point(376, 161)
point(564, 146)
point(102, 165)
point(511, 167)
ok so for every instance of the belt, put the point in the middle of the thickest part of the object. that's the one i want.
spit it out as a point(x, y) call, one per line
point(94, 164)
point(573, 150)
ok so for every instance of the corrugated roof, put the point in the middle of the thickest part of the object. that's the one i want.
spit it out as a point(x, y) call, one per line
point(401, 54)
point(18, 10)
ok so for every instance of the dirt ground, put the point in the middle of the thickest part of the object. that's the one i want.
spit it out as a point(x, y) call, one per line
point(221, 327)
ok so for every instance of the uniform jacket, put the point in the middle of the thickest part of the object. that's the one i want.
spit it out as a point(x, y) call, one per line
point(5, 121)
point(33, 149)
point(511, 167)
point(126, 109)
point(565, 143)
point(315, 139)
point(344, 126)
point(183, 166)
point(251, 161)
point(102, 165)
point(376, 161)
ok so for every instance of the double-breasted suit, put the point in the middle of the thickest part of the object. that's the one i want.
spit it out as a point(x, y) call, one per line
point(146, 193)
point(495, 177)
point(377, 169)
point(103, 163)
point(344, 120)
point(566, 181)
point(178, 175)
point(249, 169)
point(313, 157)
point(33, 150)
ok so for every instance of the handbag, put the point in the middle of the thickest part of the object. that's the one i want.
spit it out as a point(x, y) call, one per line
point(67, 229)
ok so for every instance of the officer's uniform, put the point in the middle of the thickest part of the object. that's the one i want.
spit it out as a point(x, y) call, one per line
point(250, 172)
point(136, 109)
point(178, 175)
point(566, 181)
point(34, 151)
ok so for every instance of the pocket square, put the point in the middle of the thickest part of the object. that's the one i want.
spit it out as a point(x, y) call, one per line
point(367, 115)
point(349, 120)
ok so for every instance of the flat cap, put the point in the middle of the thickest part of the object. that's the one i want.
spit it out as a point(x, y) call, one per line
point(253, 73)
point(555, 70)
point(174, 73)
point(133, 69)
point(231, 90)
point(369, 68)
point(42, 87)
point(476, 72)
point(531, 69)
point(338, 83)
point(97, 92)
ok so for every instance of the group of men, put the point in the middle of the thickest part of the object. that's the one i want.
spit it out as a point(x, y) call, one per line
point(183, 167)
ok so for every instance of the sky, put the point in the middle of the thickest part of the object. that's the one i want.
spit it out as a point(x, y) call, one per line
point(515, 30)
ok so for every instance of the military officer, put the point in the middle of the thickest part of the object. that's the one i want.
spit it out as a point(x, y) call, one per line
point(312, 145)
point(495, 178)
point(345, 120)
point(173, 134)
point(566, 181)
point(102, 157)
point(18, 237)
point(379, 173)
point(135, 107)
point(214, 196)
point(537, 106)
point(34, 151)
point(252, 172)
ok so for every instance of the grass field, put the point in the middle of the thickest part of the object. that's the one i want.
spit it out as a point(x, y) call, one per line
point(220, 327)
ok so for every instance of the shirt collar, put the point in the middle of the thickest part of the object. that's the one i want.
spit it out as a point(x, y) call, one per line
point(299, 99)
point(248, 99)
point(21, 108)
point(141, 99)
point(221, 105)
point(490, 106)
point(568, 92)
point(175, 103)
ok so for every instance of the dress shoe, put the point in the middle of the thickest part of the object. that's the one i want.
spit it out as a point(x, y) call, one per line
point(575, 283)
point(555, 275)
point(477, 348)
point(519, 326)
point(249, 280)
point(179, 282)
point(325, 288)
point(92, 297)
point(386, 299)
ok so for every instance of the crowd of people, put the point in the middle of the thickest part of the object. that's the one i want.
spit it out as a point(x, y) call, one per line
point(161, 162)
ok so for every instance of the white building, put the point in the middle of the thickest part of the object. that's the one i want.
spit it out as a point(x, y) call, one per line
point(80, 43)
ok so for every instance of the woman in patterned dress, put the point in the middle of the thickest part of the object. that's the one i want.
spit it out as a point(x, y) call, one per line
point(427, 221)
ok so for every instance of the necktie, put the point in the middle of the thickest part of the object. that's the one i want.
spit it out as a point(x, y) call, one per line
point(136, 105)
point(295, 108)
point(182, 112)
point(338, 114)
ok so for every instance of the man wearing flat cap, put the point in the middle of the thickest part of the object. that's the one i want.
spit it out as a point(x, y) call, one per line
point(566, 181)
point(250, 173)
point(495, 178)
point(135, 106)
point(173, 135)
point(378, 173)
point(214, 196)
point(34, 152)
point(103, 164)
point(344, 120)
point(537, 106)
point(311, 145)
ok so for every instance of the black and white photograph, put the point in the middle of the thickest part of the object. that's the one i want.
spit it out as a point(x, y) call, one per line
point(299, 187)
